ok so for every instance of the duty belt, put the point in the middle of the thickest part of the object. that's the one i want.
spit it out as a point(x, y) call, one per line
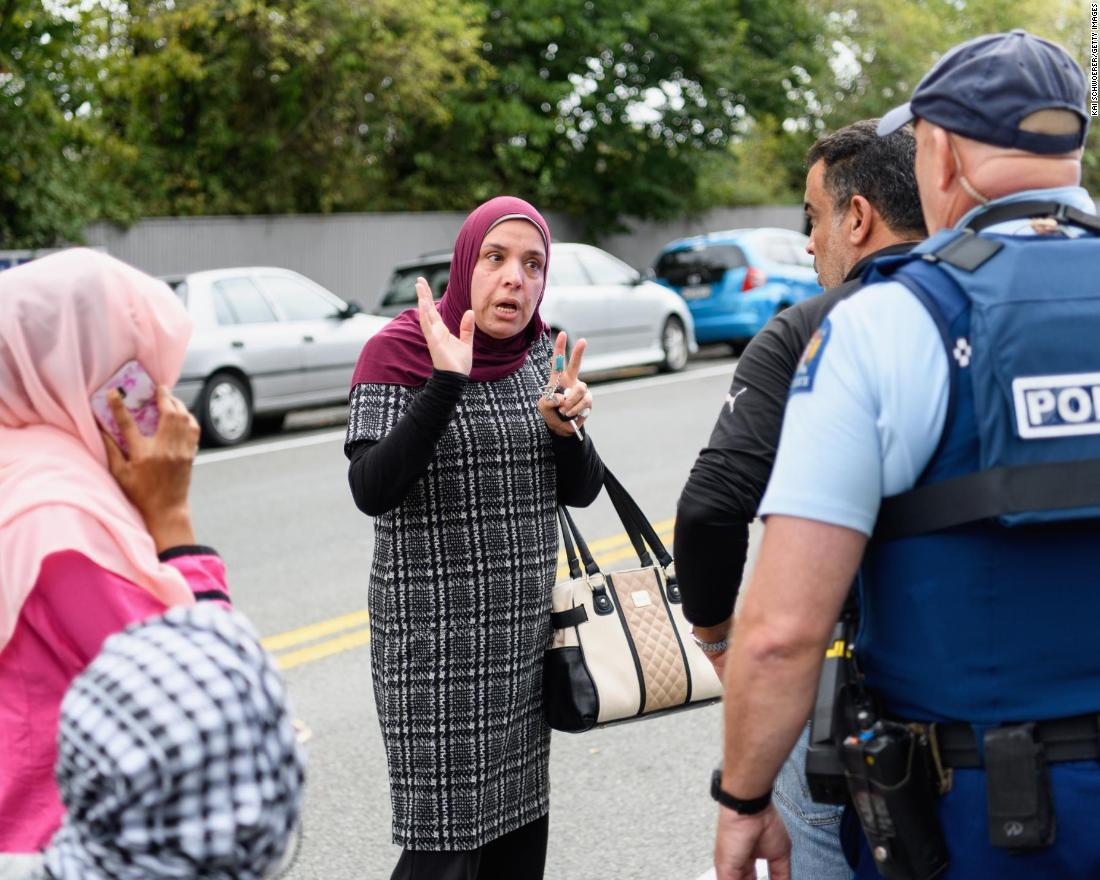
point(1063, 739)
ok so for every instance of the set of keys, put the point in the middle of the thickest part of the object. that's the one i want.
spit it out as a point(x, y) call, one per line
point(553, 388)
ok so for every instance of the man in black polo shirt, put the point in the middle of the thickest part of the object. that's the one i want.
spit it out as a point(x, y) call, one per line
point(861, 202)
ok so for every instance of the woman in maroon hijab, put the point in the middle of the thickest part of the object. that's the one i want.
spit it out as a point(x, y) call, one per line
point(462, 459)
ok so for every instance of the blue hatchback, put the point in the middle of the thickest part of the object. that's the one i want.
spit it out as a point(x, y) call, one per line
point(735, 281)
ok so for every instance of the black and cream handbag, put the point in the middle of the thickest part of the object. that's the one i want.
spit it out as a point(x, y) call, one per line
point(621, 647)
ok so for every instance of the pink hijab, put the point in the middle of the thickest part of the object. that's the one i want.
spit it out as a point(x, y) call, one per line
point(67, 323)
point(398, 355)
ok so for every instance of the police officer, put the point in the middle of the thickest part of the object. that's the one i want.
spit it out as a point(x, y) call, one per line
point(964, 389)
point(861, 202)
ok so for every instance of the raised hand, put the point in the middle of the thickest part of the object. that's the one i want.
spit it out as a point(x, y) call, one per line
point(575, 400)
point(448, 353)
point(156, 476)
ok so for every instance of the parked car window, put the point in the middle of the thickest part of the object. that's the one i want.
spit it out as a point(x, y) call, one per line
point(787, 251)
point(298, 301)
point(605, 269)
point(566, 271)
point(705, 265)
point(244, 301)
point(222, 309)
point(776, 250)
point(401, 289)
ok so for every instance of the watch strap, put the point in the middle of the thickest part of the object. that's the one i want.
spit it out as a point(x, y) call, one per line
point(744, 807)
point(710, 647)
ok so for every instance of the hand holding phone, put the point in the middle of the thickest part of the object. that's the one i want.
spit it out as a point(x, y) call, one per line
point(139, 396)
point(156, 474)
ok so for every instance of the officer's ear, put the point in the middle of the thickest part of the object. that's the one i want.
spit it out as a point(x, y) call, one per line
point(860, 220)
point(945, 168)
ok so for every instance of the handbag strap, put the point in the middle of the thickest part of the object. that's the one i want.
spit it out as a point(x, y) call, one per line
point(570, 528)
point(570, 550)
point(637, 526)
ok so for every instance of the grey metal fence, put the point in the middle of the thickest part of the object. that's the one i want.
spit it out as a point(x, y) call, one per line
point(352, 254)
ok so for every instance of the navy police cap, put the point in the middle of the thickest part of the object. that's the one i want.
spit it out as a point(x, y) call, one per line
point(984, 88)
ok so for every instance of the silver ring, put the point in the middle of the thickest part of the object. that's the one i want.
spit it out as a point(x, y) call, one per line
point(585, 413)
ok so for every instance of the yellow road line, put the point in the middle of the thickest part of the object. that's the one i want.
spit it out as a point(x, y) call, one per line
point(606, 559)
point(315, 631)
point(609, 550)
point(661, 528)
point(324, 649)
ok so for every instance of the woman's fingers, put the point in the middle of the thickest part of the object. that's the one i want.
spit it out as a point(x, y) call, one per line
point(466, 328)
point(577, 399)
point(560, 344)
point(116, 461)
point(574, 369)
point(177, 429)
point(126, 426)
point(425, 307)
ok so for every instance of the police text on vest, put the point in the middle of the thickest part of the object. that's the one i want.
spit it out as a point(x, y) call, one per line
point(1057, 406)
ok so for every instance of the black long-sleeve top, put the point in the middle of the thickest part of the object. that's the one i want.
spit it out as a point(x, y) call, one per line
point(383, 471)
point(728, 478)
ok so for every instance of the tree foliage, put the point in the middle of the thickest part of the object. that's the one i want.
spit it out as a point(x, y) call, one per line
point(46, 190)
point(267, 106)
point(605, 109)
point(882, 48)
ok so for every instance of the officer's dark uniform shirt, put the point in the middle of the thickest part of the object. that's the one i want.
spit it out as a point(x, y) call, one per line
point(729, 476)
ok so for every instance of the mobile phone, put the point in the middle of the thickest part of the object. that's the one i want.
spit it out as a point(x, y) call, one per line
point(139, 396)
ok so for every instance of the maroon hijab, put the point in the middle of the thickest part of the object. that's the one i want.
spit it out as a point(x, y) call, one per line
point(398, 354)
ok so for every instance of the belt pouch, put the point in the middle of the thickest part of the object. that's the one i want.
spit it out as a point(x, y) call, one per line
point(1017, 784)
point(890, 776)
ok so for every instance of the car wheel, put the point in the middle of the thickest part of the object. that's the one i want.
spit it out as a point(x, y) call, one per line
point(225, 410)
point(674, 344)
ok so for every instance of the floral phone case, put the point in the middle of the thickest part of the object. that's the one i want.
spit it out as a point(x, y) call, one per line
point(139, 396)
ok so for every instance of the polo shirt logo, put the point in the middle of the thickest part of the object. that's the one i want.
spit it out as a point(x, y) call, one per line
point(1057, 406)
point(807, 367)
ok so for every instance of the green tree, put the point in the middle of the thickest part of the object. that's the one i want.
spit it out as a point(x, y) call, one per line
point(880, 49)
point(47, 191)
point(265, 106)
point(608, 109)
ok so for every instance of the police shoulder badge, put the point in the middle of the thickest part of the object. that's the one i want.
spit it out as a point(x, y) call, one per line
point(807, 367)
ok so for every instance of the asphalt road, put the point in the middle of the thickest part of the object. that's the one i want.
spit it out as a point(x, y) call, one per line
point(628, 802)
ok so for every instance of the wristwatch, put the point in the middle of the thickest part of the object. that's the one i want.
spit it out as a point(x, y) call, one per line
point(745, 808)
point(710, 647)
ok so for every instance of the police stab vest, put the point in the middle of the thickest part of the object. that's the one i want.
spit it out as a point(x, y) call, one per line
point(1021, 314)
point(980, 589)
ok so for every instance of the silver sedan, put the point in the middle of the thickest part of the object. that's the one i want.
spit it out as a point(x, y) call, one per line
point(266, 341)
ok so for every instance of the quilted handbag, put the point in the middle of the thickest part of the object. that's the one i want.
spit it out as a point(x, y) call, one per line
point(621, 648)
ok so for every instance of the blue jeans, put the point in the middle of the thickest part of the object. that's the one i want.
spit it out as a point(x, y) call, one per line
point(814, 828)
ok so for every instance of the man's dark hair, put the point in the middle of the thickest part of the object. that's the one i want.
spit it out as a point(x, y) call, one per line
point(881, 169)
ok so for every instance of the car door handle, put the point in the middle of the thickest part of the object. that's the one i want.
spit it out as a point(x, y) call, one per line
point(236, 343)
point(307, 338)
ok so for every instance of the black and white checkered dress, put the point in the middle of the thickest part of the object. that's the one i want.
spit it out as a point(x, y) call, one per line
point(459, 604)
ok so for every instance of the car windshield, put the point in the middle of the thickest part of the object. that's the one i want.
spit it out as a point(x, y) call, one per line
point(401, 290)
point(699, 265)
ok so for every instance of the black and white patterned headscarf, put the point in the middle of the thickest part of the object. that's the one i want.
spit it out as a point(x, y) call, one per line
point(177, 755)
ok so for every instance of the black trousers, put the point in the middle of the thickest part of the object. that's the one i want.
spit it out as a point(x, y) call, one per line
point(519, 855)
